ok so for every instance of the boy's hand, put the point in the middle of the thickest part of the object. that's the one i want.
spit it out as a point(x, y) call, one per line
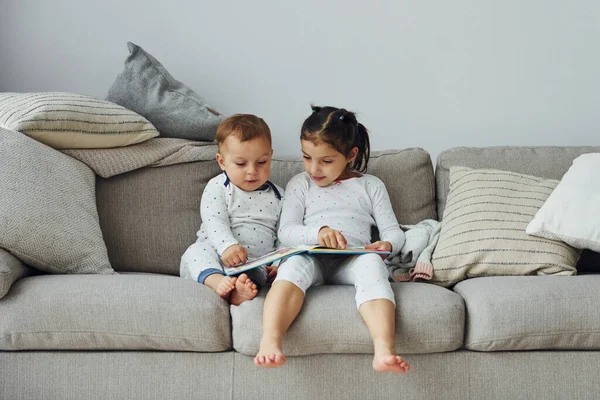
point(271, 273)
point(331, 238)
point(234, 255)
point(380, 245)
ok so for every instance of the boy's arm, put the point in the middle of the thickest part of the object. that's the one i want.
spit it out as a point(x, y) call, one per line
point(386, 221)
point(215, 217)
point(292, 231)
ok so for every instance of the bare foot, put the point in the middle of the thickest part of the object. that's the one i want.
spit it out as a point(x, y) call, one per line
point(244, 290)
point(390, 363)
point(221, 284)
point(270, 354)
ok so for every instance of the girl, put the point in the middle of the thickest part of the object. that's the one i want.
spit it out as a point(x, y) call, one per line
point(333, 203)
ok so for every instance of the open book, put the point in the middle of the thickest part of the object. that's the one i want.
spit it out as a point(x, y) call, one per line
point(290, 251)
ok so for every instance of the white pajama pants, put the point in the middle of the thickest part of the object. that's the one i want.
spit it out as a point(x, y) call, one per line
point(367, 272)
point(201, 260)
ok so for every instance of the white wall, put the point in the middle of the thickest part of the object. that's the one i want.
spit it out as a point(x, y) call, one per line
point(426, 73)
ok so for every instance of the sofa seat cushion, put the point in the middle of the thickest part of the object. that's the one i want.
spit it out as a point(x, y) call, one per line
point(532, 313)
point(113, 312)
point(429, 319)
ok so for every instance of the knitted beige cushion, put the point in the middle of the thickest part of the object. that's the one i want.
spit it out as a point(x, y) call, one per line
point(73, 121)
point(48, 215)
point(483, 229)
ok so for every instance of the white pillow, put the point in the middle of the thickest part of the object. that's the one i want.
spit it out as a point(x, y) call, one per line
point(570, 214)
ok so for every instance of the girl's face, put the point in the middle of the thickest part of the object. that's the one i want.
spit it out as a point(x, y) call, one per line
point(325, 164)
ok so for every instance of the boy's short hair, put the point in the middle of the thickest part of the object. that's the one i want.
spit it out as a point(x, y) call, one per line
point(244, 126)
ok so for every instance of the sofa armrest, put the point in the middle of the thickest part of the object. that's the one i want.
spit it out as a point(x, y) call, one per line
point(11, 270)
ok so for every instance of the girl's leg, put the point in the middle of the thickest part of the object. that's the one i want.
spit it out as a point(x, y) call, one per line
point(376, 304)
point(380, 317)
point(282, 305)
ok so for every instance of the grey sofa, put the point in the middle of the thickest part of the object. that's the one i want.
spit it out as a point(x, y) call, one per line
point(148, 334)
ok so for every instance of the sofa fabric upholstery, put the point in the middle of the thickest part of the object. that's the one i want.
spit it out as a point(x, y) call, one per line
point(429, 319)
point(151, 215)
point(11, 270)
point(113, 312)
point(532, 313)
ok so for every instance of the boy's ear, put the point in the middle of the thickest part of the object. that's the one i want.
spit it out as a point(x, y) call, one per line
point(221, 161)
point(352, 155)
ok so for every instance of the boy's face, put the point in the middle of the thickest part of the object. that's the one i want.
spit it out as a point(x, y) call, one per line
point(248, 164)
point(323, 163)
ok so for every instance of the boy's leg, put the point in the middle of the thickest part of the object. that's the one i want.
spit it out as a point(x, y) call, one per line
point(282, 305)
point(201, 264)
point(376, 304)
point(247, 285)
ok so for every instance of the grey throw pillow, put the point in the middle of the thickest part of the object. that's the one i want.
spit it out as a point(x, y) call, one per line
point(48, 215)
point(146, 87)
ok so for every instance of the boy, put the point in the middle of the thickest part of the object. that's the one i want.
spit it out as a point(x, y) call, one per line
point(239, 209)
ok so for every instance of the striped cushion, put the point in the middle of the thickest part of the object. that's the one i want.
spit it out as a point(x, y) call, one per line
point(73, 121)
point(483, 229)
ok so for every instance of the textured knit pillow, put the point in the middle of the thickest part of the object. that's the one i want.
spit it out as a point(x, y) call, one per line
point(146, 87)
point(570, 213)
point(73, 121)
point(48, 216)
point(483, 229)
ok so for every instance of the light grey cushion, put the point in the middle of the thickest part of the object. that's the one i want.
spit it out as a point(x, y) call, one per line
point(113, 312)
point(526, 313)
point(429, 319)
point(151, 215)
point(550, 162)
point(483, 230)
point(11, 270)
point(73, 121)
point(407, 174)
point(146, 87)
point(48, 216)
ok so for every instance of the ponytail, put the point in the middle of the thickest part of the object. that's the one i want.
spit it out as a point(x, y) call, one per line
point(364, 148)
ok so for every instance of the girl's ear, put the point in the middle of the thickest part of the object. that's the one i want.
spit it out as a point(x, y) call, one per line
point(352, 155)
point(221, 161)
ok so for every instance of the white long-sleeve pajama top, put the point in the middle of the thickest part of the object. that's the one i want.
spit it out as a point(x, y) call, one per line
point(352, 206)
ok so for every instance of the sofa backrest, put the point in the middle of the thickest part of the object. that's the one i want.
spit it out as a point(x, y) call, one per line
point(150, 216)
point(549, 162)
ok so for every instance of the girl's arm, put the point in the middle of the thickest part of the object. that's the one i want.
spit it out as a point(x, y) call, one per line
point(215, 217)
point(386, 221)
point(292, 231)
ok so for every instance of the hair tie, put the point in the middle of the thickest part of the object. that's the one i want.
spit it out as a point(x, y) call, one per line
point(342, 117)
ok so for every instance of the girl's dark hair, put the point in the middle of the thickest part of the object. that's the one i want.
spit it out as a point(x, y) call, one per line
point(340, 129)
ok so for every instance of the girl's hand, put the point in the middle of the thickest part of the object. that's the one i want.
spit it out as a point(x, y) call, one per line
point(331, 238)
point(381, 246)
point(234, 255)
point(271, 273)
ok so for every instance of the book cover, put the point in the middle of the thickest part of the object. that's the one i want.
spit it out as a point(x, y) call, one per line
point(285, 252)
